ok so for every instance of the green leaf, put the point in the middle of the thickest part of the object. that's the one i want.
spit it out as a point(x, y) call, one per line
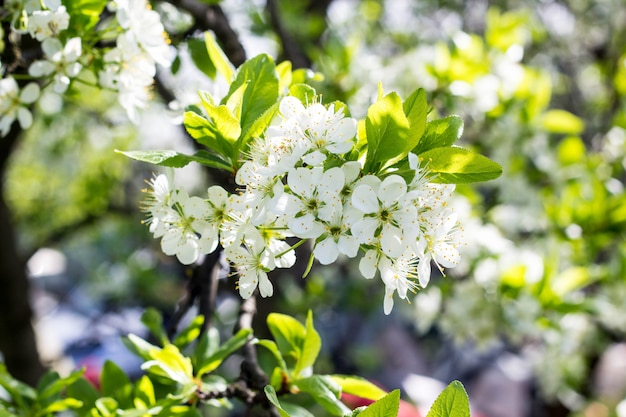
point(138, 346)
point(171, 364)
point(270, 393)
point(207, 133)
point(84, 14)
point(228, 348)
point(285, 76)
point(562, 121)
point(153, 320)
point(116, 384)
point(325, 391)
point(107, 406)
point(207, 345)
point(190, 333)
point(440, 133)
point(225, 122)
point(144, 393)
point(387, 131)
point(169, 158)
point(358, 386)
point(288, 333)
point(452, 165)
point(303, 92)
point(82, 390)
point(310, 347)
point(452, 402)
point(273, 348)
point(58, 385)
point(261, 92)
point(61, 405)
point(416, 109)
point(200, 57)
point(387, 406)
point(219, 59)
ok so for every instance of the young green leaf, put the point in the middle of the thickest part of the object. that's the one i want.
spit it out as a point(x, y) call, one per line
point(190, 333)
point(83, 391)
point(452, 402)
point(440, 133)
point(61, 405)
point(261, 92)
point(387, 130)
point(228, 348)
point(358, 386)
point(285, 76)
point(273, 348)
point(452, 165)
point(144, 393)
point(270, 393)
point(303, 92)
point(200, 57)
point(59, 384)
point(311, 346)
point(116, 384)
point(208, 133)
point(325, 391)
point(219, 59)
point(153, 320)
point(169, 158)
point(138, 346)
point(171, 364)
point(387, 406)
point(288, 333)
point(416, 109)
point(207, 345)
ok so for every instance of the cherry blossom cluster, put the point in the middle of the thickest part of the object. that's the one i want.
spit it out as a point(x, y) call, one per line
point(296, 186)
point(127, 68)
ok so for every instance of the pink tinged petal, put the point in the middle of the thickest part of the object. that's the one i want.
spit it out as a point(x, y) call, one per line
point(348, 245)
point(388, 302)
point(369, 264)
point(364, 230)
point(305, 227)
point(391, 190)
point(326, 251)
point(265, 285)
point(364, 198)
point(391, 241)
point(30, 93)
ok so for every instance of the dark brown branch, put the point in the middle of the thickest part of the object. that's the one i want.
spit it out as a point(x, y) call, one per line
point(292, 50)
point(213, 18)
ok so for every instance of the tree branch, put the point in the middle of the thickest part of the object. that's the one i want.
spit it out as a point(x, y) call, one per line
point(292, 50)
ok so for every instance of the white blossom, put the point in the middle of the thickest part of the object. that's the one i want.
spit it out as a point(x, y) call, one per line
point(62, 62)
point(43, 24)
point(14, 104)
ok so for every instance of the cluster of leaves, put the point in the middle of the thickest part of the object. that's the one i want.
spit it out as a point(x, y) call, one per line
point(392, 129)
point(180, 379)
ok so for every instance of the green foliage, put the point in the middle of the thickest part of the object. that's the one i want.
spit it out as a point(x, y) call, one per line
point(452, 402)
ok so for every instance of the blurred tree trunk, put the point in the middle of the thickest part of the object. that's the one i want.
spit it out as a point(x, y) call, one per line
point(17, 337)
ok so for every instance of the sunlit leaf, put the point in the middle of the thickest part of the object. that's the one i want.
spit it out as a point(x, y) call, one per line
point(454, 165)
point(229, 347)
point(387, 406)
point(440, 133)
point(358, 386)
point(325, 391)
point(452, 402)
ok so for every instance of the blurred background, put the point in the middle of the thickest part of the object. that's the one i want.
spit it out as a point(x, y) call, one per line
point(533, 321)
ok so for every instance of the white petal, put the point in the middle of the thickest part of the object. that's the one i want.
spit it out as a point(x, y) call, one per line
point(24, 117)
point(348, 245)
point(391, 189)
point(171, 240)
point(364, 198)
point(291, 107)
point(388, 302)
point(369, 264)
point(326, 251)
point(364, 229)
point(300, 182)
point(30, 93)
point(391, 241)
point(188, 252)
point(446, 255)
point(305, 227)
point(265, 285)
point(423, 270)
point(41, 68)
point(73, 49)
point(332, 183)
point(315, 158)
point(217, 195)
point(52, 47)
